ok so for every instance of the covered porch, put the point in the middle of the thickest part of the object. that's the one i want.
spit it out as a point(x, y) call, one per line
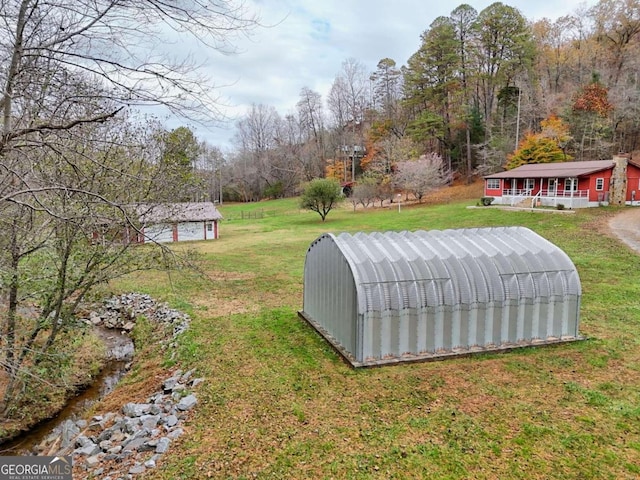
point(548, 197)
point(570, 184)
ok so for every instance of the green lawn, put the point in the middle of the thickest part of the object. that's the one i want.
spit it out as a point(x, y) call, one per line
point(278, 402)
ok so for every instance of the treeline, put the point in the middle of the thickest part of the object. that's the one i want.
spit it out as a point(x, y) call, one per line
point(478, 85)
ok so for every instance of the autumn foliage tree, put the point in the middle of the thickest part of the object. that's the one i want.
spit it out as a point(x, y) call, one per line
point(590, 120)
point(548, 146)
point(593, 98)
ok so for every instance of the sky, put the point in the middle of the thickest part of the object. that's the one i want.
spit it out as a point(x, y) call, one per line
point(303, 43)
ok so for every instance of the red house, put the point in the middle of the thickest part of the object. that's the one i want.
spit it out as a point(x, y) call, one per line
point(572, 184)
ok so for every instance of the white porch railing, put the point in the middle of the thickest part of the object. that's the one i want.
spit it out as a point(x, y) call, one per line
point(517, 194)
point(565, 193)
point(549, 198)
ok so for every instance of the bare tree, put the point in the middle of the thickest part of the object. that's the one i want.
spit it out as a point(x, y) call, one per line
point(357, 89)
point(348, 101)
point(617, 25)
point(337, 102)
point(422, 175)
point(365, 192)
point(210, 166)
point(256, 138)
point(311, 116)
point(72, 162)
point(48, 46)
point(68, 227)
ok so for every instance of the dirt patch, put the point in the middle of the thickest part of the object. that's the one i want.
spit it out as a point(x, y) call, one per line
point(226, 306)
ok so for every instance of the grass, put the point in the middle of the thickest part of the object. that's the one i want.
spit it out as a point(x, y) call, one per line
point(278, 402)
point(77, 358)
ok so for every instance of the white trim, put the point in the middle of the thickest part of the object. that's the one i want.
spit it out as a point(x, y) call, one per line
point(600, 180)
point(529, 183)
point(493, 180)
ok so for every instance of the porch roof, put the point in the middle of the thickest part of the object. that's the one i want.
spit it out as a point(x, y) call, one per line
point(555, 170)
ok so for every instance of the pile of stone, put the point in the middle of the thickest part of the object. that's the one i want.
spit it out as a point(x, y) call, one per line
point(120, 313)
point(117, 446)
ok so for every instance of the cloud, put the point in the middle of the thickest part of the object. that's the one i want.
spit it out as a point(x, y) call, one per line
point(304, 43)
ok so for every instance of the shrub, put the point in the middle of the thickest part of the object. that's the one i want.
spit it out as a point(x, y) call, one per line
point(321, 195)
point(486, 201)
point(560, 206)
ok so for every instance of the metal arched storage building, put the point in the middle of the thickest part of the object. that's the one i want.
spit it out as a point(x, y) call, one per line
point(406, 296)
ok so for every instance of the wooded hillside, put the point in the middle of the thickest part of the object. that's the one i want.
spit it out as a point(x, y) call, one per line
point(483, 90)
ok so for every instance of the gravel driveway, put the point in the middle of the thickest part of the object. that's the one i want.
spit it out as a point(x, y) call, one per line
point(626, 226)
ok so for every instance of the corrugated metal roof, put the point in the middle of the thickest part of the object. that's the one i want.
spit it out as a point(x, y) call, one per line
point(178, 212)
point(469, 256)
point(555, 170)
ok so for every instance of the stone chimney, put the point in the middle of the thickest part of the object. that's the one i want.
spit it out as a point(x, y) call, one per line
point(618, 185)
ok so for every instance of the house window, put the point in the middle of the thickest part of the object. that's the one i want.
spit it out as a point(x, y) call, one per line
point(529, 184)
point(570, 184)
point(599, 184)
point(209, 227)
point(493, 184)
point(552, 186)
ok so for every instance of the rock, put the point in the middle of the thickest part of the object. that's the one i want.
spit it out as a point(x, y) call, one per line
point(95, 318)
point(104, 436)
point(88, 450)
point(170, 421)
point(131, 426)
point(179, 388)
point(137, 469)
point(169, 384)
point(121, 441)
point(175, 433)
point(185, 378)
point(135, 409)
point(196, 382)
point(149, 446)
point(187, 403)
point(93, 461)
point(82, 441)
point(149, 421)
point(115, 450)
point(105, 445)
point(133, 445)
point(118, 437)
point(69, 431)
point(163, 445)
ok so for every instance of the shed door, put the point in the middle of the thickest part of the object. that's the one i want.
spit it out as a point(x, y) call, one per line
point(190, 231)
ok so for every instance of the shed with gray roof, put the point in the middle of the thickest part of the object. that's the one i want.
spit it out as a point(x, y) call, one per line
point(390, 297)
point(177, 222)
